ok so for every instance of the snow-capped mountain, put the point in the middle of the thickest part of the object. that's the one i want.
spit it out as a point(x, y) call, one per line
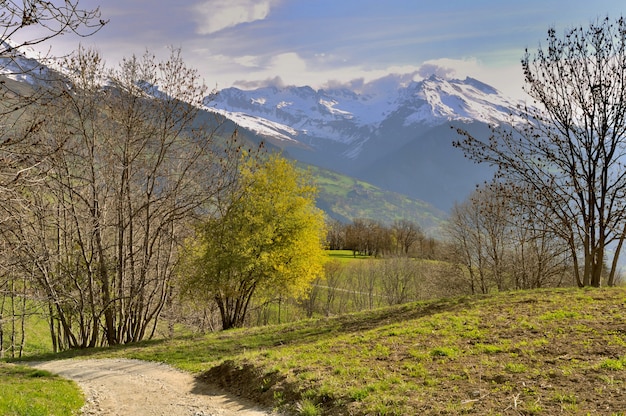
point(23, 64)
point(387, 132)
point(296, 114)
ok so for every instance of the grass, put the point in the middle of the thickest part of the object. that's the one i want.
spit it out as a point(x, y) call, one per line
point(29, 392)
point(347, 198)
point(533, 352)
point(37, 338)
point(345, 256)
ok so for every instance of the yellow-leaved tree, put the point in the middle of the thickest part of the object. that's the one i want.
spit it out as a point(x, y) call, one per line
point(266, 237)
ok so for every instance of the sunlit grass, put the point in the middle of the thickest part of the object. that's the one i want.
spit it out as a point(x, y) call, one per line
point(31, 392)
point(345, 255)
point(438, 355)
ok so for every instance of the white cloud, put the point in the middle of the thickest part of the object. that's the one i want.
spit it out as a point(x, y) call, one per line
point(288, 63)
point(508, 79)
point(214, 15)
point(292, 69)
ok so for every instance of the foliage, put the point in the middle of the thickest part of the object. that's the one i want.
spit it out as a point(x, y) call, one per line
point(266, 240)
point(565, 161)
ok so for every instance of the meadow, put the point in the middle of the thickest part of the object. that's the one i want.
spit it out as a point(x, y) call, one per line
point(556, 351)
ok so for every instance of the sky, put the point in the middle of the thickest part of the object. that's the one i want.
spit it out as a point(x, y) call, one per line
point(322, 43)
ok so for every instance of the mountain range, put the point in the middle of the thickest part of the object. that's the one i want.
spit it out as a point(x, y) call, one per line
point(394, 133)
point(391, 133)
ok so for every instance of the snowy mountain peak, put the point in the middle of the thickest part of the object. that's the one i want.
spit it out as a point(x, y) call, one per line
point(302, 114)
point(22, 64)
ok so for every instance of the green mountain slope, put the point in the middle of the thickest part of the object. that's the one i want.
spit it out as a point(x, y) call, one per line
point(345, 198)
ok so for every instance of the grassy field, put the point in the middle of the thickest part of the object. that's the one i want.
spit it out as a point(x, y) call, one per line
point(25, 391)
point(520, 353)
point(345, 256)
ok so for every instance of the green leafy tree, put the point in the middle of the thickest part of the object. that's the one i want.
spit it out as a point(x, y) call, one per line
point(266, 238)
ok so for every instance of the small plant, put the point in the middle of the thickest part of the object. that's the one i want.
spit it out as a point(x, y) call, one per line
point(419, 355)
point(559, 315)
point(533, 409)
point(565, 398)
point(515, 368)
point(610, 380)
point(612, 364)
point(359, 394)
point(416, 370)
point(489, 348)
point(307, 408)
point(279, 398)
point(381, 351)
point(444, 352)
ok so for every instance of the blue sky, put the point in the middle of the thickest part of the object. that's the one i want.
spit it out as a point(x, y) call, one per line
point(247, 43)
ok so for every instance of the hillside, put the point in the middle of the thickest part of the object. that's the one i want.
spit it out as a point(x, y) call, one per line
point(393, 135)
point(558, 351)
point(345, 198)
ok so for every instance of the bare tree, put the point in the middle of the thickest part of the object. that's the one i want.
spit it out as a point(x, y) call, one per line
point(336, 235)
point(539, 257)
point(469, 245)
point(129, 167)
point(24, 24)
point(406, 233)
point(400, 279)
point(570, 152)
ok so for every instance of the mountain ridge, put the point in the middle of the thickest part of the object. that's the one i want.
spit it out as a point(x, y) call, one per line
point(360, 131)
point(392, 132)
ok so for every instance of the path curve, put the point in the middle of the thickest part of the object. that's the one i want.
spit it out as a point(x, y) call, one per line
point(123, 387)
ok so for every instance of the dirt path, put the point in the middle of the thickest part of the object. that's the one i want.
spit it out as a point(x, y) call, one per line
point(120, 387)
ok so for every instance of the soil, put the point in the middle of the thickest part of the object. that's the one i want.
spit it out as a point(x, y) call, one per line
point(122, 387)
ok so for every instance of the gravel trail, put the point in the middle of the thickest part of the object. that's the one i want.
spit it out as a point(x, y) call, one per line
point(121, 387)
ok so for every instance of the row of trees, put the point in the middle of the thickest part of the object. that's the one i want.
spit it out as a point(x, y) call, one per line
point(501, 245)
point(368, 237)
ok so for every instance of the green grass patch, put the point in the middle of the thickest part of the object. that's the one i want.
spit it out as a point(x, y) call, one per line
point(27, 391)
point(473, 353)
point(613, 364)
point(345, 256)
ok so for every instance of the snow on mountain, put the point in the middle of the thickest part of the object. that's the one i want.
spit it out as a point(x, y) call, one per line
point(261, 126)
point(304, 115)
point(455, 100)
point(23, 64)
